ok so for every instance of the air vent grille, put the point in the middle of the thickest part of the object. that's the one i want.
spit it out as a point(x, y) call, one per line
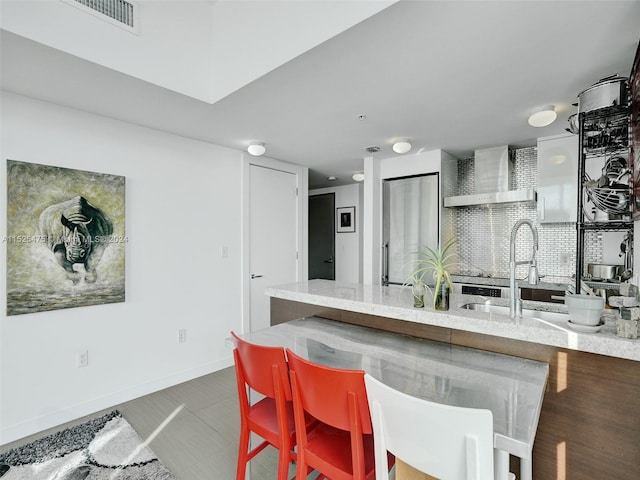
point(118, 12)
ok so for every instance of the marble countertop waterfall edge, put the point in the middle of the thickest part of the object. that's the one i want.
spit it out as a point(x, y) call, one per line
point(397, 303)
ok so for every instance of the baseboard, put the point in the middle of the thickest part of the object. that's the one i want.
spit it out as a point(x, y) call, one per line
point(58, 417)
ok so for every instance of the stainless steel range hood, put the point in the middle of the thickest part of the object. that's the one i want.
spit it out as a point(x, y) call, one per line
point(492, 177)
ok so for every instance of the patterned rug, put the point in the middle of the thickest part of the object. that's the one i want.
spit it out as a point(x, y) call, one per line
point(106, 448)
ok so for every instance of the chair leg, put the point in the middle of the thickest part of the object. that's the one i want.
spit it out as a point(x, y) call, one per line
point(284, 459)
point(301, 468)
point(243, 454)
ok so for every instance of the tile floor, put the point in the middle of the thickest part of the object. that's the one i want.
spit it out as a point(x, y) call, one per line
point(200, 440)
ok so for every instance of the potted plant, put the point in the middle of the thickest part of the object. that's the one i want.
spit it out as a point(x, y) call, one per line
point(418, 288)
point(436, 261)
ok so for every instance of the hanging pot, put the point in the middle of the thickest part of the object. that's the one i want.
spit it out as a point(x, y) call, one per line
point(608, 92)
point(573, 124)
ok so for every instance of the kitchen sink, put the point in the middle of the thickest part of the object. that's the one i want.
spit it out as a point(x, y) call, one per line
point(526, 312)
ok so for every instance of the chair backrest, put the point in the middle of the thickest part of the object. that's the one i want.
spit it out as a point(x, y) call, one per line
point(330, 394)
point(447, 442)
point(258, 364)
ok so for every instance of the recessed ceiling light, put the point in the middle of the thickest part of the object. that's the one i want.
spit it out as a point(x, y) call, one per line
point(256, 149)
point(543, 116)
point(358, 177)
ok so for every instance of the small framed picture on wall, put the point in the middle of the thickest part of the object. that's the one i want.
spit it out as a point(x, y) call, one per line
point(346, 219)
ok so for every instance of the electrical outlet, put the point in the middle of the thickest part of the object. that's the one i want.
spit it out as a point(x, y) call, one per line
point(82, 358)
point(182, 335)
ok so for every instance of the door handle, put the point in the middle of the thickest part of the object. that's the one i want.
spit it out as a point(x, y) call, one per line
point(253, 275)
point(385, 264)
point(329, 261)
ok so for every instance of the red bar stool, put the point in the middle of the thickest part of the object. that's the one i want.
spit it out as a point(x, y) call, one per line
point(340, 445)
point(264, 370)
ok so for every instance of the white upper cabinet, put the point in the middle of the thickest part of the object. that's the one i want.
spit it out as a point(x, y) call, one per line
point(557, 178)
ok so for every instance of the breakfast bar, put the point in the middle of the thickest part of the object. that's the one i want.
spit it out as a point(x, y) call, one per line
point(511, 388)
point(588, 427)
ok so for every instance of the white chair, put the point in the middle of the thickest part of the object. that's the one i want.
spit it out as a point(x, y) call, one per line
point(446, 442)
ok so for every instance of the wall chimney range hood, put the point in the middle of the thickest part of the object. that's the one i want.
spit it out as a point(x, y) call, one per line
point(492, 176)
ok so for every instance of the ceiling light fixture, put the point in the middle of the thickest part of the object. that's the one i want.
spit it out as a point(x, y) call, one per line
point(358, 177)
point(256, 149)
point(332, 178)
point(543, 116)
point(402, 146)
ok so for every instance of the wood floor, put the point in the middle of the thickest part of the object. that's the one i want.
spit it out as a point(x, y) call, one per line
point(195, 428)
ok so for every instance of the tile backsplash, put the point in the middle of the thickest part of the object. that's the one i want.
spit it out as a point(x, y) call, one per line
point(484, 232)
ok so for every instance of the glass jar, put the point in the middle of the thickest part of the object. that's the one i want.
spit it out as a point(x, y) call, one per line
point(418, 289)
point(441, 297)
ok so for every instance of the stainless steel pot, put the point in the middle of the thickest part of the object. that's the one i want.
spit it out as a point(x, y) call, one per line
point(604, 271)
point(607, 92)
point(573, 124)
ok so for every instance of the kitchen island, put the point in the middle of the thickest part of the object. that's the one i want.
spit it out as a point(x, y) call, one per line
point(589, 426)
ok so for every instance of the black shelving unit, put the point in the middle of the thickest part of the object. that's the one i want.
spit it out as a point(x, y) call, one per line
point(604, 134)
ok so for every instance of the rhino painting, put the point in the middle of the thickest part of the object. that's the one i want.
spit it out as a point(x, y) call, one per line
point(77, 233)
point(66, 241)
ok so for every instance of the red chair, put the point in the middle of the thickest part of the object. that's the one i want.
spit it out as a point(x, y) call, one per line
point(264, 369)
point(340, 445)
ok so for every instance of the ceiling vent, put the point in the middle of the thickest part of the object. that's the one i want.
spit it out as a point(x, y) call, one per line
point(372, 149)
point(122, 13)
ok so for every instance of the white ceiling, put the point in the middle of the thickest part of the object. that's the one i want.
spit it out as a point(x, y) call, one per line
point(451, 75)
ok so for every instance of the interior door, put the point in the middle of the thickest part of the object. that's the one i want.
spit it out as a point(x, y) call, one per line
point(322, 237)
point(272, 237)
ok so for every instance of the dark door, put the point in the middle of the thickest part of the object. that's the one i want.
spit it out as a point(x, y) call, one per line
point(322, 237)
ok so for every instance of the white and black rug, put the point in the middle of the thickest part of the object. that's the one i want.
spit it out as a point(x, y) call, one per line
point(106, 448)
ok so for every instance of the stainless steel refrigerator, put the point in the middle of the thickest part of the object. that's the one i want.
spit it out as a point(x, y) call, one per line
point(411, 218)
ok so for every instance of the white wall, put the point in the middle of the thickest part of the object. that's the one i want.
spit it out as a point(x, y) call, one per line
point(183, 205)
point(348, 262)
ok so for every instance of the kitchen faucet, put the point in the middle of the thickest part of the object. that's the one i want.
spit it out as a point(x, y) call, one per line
point(515, 305)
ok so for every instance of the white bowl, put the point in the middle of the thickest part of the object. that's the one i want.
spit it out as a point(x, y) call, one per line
point(584, 309)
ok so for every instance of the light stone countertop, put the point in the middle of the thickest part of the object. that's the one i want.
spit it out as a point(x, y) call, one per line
point(397, 302)
point(511, 387)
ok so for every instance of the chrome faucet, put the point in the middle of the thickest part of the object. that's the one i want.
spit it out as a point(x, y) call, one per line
point(515, 305)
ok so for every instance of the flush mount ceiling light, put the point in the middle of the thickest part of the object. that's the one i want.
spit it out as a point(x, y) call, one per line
point(358, 177)
point(543, 116)
point(332, 178)
point(402, 146)
point(256, 149)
